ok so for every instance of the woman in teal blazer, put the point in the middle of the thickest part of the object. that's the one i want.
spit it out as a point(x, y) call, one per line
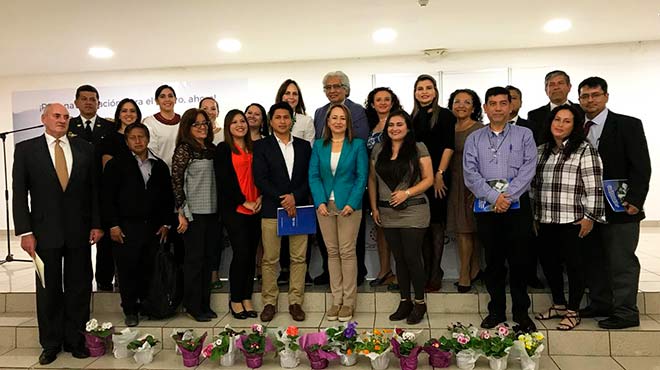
point(338, 172)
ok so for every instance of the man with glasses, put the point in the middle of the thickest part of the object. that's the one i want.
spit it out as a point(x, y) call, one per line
point(612, 266)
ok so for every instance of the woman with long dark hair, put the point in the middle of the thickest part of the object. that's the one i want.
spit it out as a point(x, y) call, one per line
point(568, 199)
point(434, 126)
point(195, 194)
point(257, 121)
point(127, 112)
point(399, 176)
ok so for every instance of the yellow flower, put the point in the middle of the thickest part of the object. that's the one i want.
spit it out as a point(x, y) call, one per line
point(538, 336)
point(528, 346)
point(521, 337)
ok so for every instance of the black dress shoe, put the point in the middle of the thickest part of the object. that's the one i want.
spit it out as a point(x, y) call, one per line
point(323, 279)
point(492, 321)
point(525, 324)
point(210, 313)
point(617, 323)
point(199, 317)
point(80, 352)
point(251, 314)
point(417, 314)
point(403, 311)
point(463, 289)
point(131, 320)
point(47, 356)
point(242, 315)
point(591, 312)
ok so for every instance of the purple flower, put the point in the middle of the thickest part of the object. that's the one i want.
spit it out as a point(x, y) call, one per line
point(350, 331)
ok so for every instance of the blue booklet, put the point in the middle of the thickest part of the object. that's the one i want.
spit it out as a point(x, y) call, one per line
point(303, 223)
point(482, 206)
point(615, 192)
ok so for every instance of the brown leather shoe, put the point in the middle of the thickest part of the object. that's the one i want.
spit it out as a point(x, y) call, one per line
point(268, 312)
point(297, 313)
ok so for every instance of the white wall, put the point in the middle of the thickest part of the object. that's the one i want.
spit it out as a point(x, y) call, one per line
point(631, 70)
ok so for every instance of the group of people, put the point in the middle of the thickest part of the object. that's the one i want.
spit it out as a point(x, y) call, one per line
point(508, 186)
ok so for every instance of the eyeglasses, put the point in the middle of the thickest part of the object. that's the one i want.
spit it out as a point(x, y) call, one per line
point(200, 124)
point(333, 87)
point(595, 95)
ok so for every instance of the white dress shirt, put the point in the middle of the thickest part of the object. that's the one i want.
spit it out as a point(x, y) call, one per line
point(66, 147)
point(288, 153)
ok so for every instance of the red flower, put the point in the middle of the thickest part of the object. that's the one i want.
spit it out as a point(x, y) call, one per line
point(292, 331)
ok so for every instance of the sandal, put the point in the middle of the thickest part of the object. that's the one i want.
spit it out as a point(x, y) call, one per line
point(386, 279)
point(553, 312)
point(570, 321)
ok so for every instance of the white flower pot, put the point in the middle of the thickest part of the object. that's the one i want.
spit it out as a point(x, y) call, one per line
point(228, 359)
point(530, 363)
point(498, 363)
point(120, 343)
point(144, 357)
point(381, 362)
point(289, 359)
point(466, 359)
point(348, 360)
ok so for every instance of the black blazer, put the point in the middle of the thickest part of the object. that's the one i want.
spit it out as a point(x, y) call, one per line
point(125, 198)
point(625, 155)
point(102, 128)
point(530, 125)
point(538, 120)
point(56, 218)
point(230, 195)
point(272, 178)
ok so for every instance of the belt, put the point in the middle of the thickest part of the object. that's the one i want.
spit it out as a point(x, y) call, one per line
point(409, 202)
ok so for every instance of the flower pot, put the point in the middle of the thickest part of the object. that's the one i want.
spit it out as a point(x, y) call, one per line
point(120, 343)
point(348, 360)
point(228, 359)
point(381, 362)
point(529, 363)
point(408, 362)
point(466, 359)
point(254, 360)
point(191, 358)
point(143, 357)
point(439, 359)
point(95, 345)
point(316, 361)
point(498, 363)
point(289, 359)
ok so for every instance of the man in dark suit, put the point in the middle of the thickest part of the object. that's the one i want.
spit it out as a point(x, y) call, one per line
point(337, 88)
point(93, 129)
point(612, 266)
point(557, 87)
point(137, 201)
point(59, 176)
point(280, 166)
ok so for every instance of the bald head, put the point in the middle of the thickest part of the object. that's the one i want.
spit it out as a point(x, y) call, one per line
point(55, 118)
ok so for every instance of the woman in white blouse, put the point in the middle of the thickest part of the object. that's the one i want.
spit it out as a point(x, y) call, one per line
point(303, 125)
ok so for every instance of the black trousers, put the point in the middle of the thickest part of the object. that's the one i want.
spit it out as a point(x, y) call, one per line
point(560, 245)
point(244, 235)
point(406, 246)
point(613, 269)
point(199, 240)
point(135, 260)
point(63, 306)
point(504, 237)
point(105, 264)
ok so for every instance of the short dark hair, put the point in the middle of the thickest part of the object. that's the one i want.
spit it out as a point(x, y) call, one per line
point(327, 135)
point(119, 108)
point(511, 87)
point(372, 115)
point(497, 90)
point(300, 108)
point(229, 139)
point(87, 88)
point(264, 117)
point(163, 87)
point(593, 82)
point(575, 138)
point(135, 126)
point(184, 135)
point(279, 105)
point(555, 73)
point(477, 114)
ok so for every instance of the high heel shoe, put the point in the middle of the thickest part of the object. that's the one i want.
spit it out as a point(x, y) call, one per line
point(238, 315)
point(386, 279)
point(251, 313)
point(478, 277)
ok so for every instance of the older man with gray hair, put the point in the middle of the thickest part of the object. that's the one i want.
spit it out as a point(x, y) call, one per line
point(337, 88)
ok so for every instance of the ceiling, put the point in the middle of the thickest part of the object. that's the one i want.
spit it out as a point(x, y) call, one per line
point(53, 36)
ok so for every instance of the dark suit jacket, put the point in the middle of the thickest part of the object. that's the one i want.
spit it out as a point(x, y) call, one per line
point(125, 198)
point(272, 178)
point(102, 128)
point(358, 117)
point(539, 118)
point(56, 218)
point(530, 125)
point(625, 155)
point(230, 195)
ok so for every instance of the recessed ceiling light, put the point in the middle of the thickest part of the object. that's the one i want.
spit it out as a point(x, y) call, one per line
point(229, 45)
point(100, 52)
point(557, 25)
point(384, 35)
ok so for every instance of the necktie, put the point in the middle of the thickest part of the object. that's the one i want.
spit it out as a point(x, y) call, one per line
point(60, 165)
point(587, 126)
point(88, 130)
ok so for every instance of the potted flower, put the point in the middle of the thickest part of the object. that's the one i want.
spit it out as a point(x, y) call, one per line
point(318, 351)
point(223, 347)
point(497, 346)
point(466, 344)
point(439, 351)
point(377, 347)
point(143, 349)
point(530, 347)
point(97, 337)
point(190, 346)
point(120, 342)
point(254, 345)
point(287, 347)
point(344, 340)
point(404, 346)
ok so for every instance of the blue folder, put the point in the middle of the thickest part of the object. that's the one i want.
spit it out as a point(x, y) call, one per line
point(304, 222)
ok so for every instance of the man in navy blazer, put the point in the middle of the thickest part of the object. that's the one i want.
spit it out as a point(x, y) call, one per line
point(56, 214)
point(612, 266)
point(280, 167)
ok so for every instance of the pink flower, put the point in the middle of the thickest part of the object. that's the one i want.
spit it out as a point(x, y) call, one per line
point(503, 330)
point(485, 335)
point(257, 328)
point(206, 352)
point(463, 339)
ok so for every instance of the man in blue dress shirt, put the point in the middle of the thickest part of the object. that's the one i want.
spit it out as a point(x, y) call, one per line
point(505, 152)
